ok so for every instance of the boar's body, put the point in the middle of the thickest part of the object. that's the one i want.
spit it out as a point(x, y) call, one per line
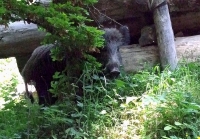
point(40, 68)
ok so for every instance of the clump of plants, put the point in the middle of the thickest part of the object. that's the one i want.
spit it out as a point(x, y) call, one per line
point(149, 104)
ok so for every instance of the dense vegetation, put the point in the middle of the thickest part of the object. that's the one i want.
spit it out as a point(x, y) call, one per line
point(149, 104)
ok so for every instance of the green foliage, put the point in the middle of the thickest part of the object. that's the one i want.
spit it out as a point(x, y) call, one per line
point(65, 21)
point(10, 108)
point(149, 104)
point(8, 79)
point(173, 109)
point(145, 105)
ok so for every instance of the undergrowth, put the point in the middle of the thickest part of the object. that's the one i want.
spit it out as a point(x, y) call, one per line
point(146, 105)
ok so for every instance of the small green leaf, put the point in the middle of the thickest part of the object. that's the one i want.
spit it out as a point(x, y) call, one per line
point(103, 112)
point(167, 128)
point(54, 137)
point(164, 137)
point(119, 83)
point(80, 104)
point(95, 77)
point(178, 124)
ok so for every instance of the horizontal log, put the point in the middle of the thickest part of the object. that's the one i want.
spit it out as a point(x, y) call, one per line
point(137, 5)
point(19, 39)
point(118, 9)
point(185, 15)
point(135, 57)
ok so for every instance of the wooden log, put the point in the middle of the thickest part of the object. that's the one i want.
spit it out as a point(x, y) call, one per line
point(135, 58)
point(122, 9)
point(165, 37)
point(185, 15)
point(136, 15)
point(19, 39)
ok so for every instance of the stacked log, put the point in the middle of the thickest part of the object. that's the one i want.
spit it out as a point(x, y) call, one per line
point(135, 57)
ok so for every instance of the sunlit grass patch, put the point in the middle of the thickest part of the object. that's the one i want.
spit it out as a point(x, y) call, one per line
point(146, 105)
point(150, 105)
point(9, 78)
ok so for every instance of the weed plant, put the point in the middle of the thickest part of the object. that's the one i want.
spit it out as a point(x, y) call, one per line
point(146, 105)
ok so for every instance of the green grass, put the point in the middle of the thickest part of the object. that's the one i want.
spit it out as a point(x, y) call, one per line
point(147, 105)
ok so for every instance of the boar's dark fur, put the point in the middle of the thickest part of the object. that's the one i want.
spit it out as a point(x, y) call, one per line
point(40, 68)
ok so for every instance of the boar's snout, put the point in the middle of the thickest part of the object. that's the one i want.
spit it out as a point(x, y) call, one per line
point(112, 70)
point(115, 72)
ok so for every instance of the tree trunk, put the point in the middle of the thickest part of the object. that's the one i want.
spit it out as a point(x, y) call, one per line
point(165, 37)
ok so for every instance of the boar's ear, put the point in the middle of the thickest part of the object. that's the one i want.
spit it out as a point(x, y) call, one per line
point(126, 35)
